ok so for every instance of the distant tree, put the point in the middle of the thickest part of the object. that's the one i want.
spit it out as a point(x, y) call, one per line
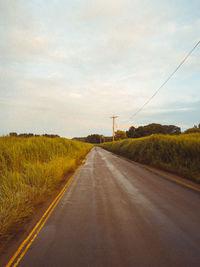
point(131, 132)
point(32, 135)
point(22, 135)
point(51, 135)
point(153, 128)
point(120, 135)
point(26, 135)
point(172, 129)
point(95, 138)
point(13, 134)
point(107, 138)
point(140, 132)
point(195, 126)
point(82, 139)
point(192, 130)
point(199, 126)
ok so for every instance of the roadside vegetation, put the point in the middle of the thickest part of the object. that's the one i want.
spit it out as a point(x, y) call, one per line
point(31, 169)
point(179, 154)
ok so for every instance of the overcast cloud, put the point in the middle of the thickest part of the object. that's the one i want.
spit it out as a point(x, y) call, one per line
point(67, 66)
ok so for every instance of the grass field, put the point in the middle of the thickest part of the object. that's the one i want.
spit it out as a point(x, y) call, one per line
point(30, 170)
point(178, 154)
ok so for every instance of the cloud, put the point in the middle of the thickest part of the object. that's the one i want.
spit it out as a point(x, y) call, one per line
point(103, 9)
point(23, 45)
point(74, 95)
point(78, 62)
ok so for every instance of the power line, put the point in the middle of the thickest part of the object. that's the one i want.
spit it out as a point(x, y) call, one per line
point(170, 76)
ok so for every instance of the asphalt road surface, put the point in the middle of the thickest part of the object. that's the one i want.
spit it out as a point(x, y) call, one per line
point(117, 213)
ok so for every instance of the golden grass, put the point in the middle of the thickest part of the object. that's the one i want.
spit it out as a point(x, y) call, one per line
point(30, 170)
point(178, 154)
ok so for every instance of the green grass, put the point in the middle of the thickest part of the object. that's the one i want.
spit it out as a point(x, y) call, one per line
point(178, 154)
point(30, 170)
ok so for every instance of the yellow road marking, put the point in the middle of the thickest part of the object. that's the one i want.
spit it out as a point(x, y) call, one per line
point(34, 237)
point(39, 225)
point(169, 177)
point(34, 229)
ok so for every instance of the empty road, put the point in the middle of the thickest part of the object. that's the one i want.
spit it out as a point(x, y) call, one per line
point(116, 213)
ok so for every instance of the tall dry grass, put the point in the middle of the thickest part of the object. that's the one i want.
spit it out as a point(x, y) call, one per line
point(178, 154)
point(30, 170)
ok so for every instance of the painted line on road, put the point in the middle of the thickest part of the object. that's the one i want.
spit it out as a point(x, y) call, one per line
point(18, 255)
point(168, 177)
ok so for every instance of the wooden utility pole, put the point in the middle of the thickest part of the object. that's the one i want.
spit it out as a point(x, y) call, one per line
point(114, 117)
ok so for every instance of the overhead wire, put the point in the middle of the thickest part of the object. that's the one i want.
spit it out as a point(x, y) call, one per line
point(169, 77)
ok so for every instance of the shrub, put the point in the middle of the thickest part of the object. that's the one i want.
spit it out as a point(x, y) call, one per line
point(30, 170)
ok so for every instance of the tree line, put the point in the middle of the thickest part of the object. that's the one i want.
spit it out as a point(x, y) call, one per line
point(132, 132)
point(94, 139)
point(137, 132)
point(32, 135)
point(152, 128)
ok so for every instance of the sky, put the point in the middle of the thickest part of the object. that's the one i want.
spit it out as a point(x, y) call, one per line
point(67, 66)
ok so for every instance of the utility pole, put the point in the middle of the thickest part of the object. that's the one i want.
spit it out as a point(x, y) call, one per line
point(114, 117)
